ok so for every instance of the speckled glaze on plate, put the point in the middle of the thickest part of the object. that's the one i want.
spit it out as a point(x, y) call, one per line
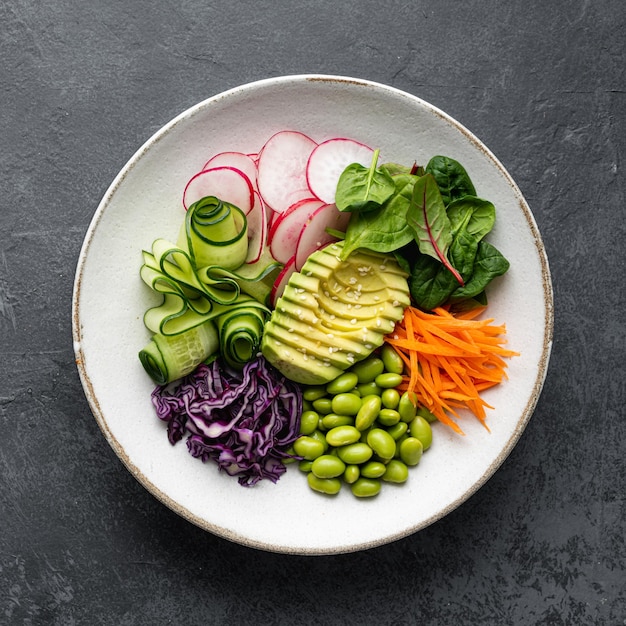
point(144, 202)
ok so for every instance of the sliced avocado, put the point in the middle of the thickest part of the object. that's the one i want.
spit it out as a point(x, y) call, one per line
point(334, 313)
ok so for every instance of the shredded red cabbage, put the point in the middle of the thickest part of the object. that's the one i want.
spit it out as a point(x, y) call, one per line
point(244, 420)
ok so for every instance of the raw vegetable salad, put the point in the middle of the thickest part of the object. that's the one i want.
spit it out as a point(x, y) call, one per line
point(321, 306)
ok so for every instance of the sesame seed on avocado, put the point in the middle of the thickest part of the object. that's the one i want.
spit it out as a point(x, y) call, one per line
point(334, 313)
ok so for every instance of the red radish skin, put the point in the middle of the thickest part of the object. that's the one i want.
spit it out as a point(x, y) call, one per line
point(314, 235)
point(257, 230)
point(282, 166)
point(285, 230)
point(226, 183)
point(282, 279)
point(329, 159)
point(238, 160)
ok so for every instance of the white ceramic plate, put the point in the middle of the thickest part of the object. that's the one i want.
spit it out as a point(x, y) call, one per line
point(144, 202)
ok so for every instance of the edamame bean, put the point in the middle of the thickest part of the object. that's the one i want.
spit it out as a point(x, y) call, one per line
point(373, 469)
point(391, 359)
point(305, 466)
point(368, 369)
point(308, 422)
point(398, 430)
point(342, 436)
point(313, 393)
point(388, 417)
point(342, 384)
point(382, 443)
point(369, 389)
point(420, 429)
point(390, 398)
point(426, 414)
point(308, 448)
point(388, 380)
point(370, 408)
point(355, 453)
point(407, 407)
point(396, 472)
point(411, 451)
point(323, 406)
point(345, 404)
point(366, 487)
point(329, 486)
point(332, 420)
point(351, 474)
point(321, 437)
point(328, 466)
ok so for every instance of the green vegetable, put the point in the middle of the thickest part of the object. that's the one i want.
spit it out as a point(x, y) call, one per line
point(366, 487)
point(167, 359)
point(363, 189)
point(215, 233)
point(451, 178)
point(429, 221)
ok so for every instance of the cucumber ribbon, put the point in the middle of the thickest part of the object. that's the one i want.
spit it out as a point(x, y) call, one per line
point(210, 296)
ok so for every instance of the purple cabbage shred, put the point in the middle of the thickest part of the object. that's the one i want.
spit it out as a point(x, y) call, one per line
point(244, 420)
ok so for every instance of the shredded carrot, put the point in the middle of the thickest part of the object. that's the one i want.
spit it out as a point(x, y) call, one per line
point(449, 359)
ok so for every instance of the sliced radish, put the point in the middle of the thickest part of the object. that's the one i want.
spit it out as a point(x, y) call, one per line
point(282, 166)
point(282, 279)
point(285, 230)
point(226, 183)
point(329, 159)
point(257, 230)
point(240, 161)
point(314, 234)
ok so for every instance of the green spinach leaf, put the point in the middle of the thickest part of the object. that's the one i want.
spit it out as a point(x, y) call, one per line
point(474, 215)
point(384, 229)
point(488, 264)
point(453, 181)
point(363, 189)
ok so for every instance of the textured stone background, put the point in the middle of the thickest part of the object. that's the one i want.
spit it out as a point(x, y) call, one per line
point(84, 84)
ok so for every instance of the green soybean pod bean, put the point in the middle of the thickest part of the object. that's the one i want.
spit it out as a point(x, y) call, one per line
point(411, 450)
point(396, 472)
point(426, 414)
point(369, 389)
point(305, 466)
point(355, 453)
point(420, 429)
point(388, 380)
point(368, 369)
point(308, 448)
point(407, 407)
point(366, 487)
point(328, 466)
point(392, 360)
point(346, 404)
point(382, 443)
point(342, 384)
point(390, 398)
point(307, 405)
point(332, 420)
point(313, 393)
point(321, 437)
point(351, 474)
point(323, 406)
point(373, 469)
point(398, 430)
point(308, 422)
point(342, 435)
point(388, 417)
point(329, 486)
point(370, 408)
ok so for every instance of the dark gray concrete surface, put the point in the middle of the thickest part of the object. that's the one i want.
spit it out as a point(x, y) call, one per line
point(84, 84)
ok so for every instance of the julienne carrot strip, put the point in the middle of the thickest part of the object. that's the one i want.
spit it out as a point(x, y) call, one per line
point(449, 359)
